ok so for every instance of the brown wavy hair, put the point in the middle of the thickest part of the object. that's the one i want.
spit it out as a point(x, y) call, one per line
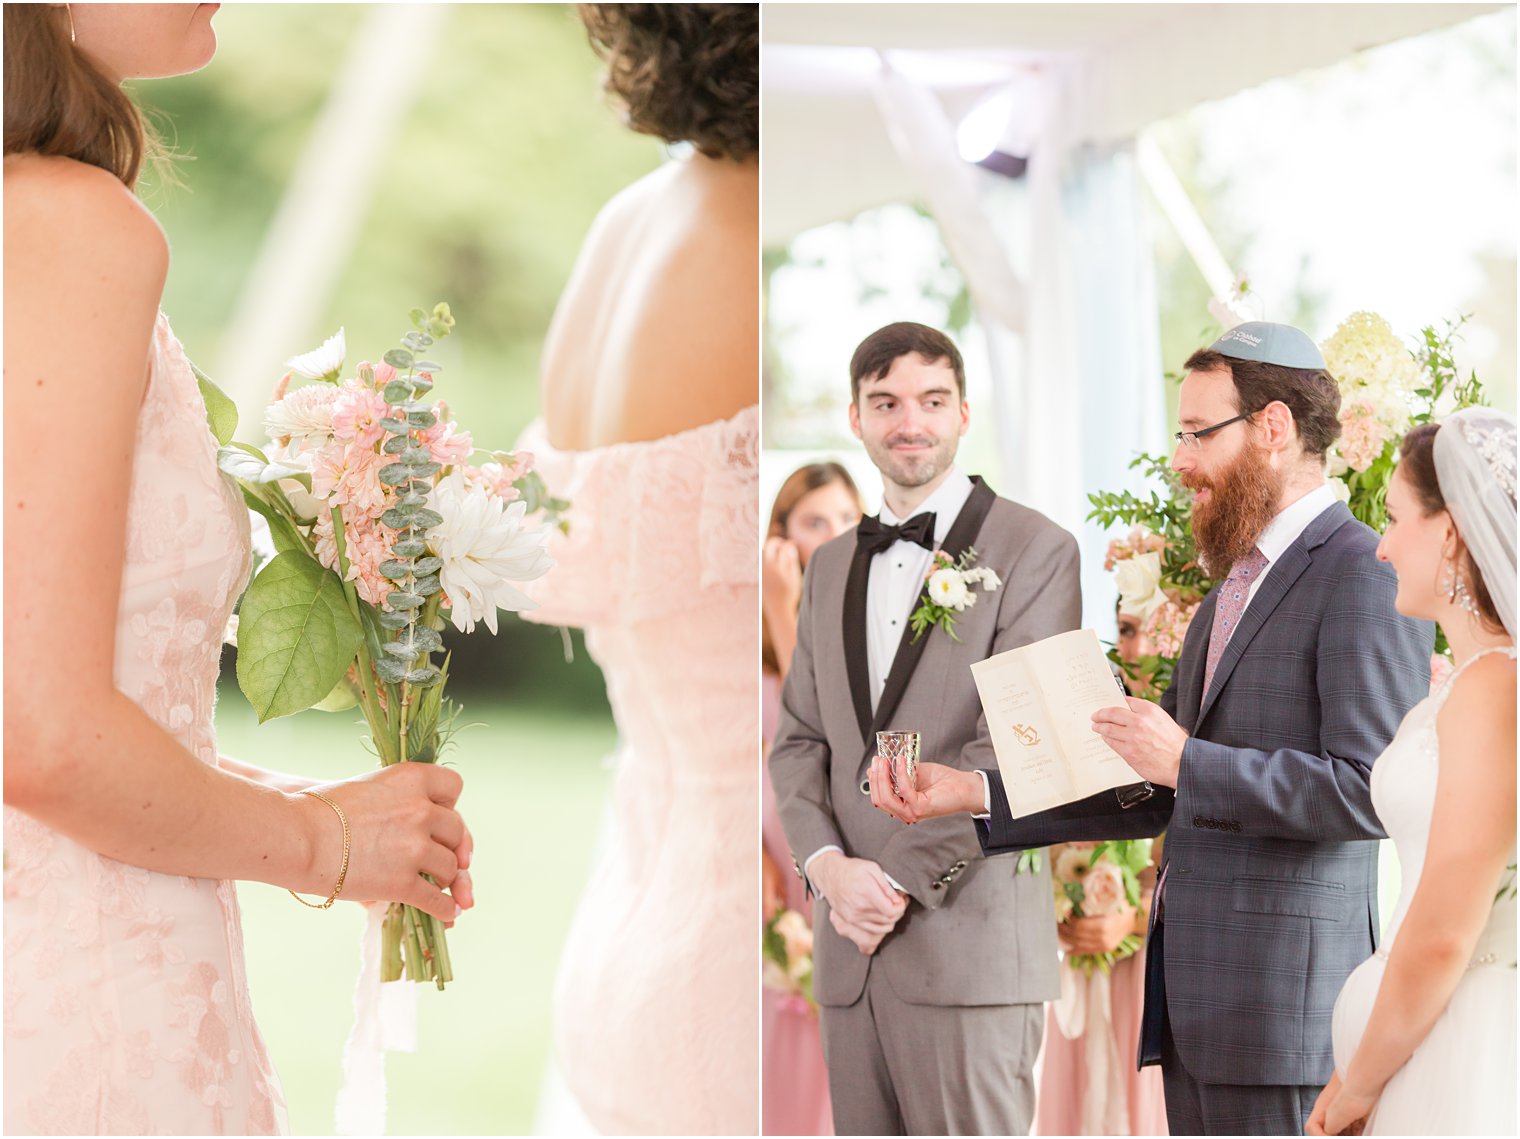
point(799, 484)
point(1312, 394)
point(1417, 459)
point(683, 72)
point(59, 101)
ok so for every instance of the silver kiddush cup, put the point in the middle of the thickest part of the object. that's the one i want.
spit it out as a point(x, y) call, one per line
point(900, 750)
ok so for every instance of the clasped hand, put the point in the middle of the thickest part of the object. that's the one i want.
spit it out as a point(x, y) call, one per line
point(863, 905)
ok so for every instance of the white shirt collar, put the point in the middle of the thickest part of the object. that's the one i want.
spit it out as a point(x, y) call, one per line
point(1293, 520)
point(946, 503)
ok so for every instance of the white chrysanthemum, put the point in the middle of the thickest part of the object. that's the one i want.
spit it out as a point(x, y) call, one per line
point(947, 589)
point(485, 549)
point(305, 415)
point(322, 363)
point(984, 576)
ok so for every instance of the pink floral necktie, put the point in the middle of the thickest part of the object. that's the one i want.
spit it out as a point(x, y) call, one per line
point(1232, 603)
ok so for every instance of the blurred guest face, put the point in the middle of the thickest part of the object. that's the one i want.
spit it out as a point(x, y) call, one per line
point(1236, 485)
point(1417, 546)
point(911, 420)
point(819, 516)
point(1134, 643)
point(146, 41)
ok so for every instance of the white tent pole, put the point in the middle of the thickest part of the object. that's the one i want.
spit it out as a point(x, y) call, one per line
point(1184, 216)
point(314, 228)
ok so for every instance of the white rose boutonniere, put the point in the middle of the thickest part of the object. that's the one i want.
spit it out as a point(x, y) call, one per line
point(948, 591)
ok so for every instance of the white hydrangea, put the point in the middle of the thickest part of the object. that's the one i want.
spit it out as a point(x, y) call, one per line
point(1373, 366)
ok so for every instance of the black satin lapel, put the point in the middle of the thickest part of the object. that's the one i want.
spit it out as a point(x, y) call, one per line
point(967, 525)
point(856, 665)
point(1274, 587)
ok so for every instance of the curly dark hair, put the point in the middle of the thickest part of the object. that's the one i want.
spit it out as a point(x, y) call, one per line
point(684, 72)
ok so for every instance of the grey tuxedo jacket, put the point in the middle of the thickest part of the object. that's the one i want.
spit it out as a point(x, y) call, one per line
point(1271, 877)
point(974, 933)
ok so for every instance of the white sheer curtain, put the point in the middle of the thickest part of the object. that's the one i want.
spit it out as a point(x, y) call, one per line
point(1072, 332)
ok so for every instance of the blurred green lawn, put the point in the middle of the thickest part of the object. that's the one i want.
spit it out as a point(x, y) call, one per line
point(534, 784)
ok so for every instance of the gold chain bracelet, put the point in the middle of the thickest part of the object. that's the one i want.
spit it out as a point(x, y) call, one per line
point(342, 870)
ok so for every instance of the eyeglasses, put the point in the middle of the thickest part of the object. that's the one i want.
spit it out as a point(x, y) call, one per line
point(1194, 439)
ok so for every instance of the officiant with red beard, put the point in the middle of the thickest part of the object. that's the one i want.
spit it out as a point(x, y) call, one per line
point(1294, 676)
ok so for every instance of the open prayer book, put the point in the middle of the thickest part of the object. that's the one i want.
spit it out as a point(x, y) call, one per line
point(1039, 701)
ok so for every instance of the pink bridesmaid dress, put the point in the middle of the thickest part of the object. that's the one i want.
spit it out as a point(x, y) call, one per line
point(794, 1080)
point(656, 1022)
point(126, 1005)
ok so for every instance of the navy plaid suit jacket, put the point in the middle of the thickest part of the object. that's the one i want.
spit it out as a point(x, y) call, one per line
point(1271, 888)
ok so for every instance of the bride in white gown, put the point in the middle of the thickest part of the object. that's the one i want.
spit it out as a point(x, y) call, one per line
point(1424, 1031)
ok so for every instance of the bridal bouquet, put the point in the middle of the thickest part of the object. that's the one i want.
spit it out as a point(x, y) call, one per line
point(1097, 882)
point(787, 951)
point(1386, 389)
point(382, 528)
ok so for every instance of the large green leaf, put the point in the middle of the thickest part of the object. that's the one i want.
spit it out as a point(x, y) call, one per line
point(248, 464)
point(221, 412)
point(296, 636)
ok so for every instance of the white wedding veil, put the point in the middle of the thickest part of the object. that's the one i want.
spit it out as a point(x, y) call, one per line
point(1475, 467)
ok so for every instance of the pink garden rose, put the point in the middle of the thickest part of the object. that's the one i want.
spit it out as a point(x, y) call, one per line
point(1363, 435)
point(1440, 669)
point(1103, 890)
point(1167, 627)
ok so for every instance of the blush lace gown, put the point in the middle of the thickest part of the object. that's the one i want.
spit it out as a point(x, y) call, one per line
point(1461, 1079)
point(126, 1005)
point(656, 1018)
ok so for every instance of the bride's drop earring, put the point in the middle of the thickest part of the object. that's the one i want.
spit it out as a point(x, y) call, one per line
point(1455, 586)
point(68, 11)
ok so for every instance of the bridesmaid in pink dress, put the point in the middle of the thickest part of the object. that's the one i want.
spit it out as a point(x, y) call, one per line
point(126, 1006)
point(1073, 1097)
point(651, 429)
point(817, 503)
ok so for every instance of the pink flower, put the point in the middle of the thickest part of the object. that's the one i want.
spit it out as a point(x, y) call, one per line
point(348, 475)
point(357, 414)
point(498, 477)
point(448, 445)
point(1167, 627)
point(384, 374)
point(1440, 669)
point(1363, 435)
point(367, 545)
point(1103, 890)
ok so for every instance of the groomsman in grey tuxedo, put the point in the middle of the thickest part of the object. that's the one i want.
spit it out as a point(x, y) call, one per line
point(931, 962)
point(1293, 678)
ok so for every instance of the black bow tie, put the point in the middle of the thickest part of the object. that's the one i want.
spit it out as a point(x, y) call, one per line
point(875, 535)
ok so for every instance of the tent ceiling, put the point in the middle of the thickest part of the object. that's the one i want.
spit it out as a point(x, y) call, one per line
point(827, 154)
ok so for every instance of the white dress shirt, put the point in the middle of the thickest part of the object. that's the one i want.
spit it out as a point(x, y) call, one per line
point(896, 579)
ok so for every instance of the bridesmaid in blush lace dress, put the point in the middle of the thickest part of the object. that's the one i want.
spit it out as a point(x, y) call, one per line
point(816, 503)
point(126, 1007)
point(651, 430)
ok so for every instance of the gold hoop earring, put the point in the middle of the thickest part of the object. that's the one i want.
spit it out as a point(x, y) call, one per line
point(68, 10)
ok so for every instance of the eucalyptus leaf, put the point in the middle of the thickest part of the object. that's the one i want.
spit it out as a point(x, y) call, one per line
point(296, 636)
point(424, 677)
point(413, 500)
point(427, 366)
point(393, 473)
point(221, 411)
point(403, 600)
point(248, 464)
point(398, 357)
point(395, 426)
point(402, 650)
point(395, 569)
point(427, 566)
point(393, 620)
point(425, 470)
point(416, 454)
point(426, 519)
point(389, 670)
point(429, 640)
point(409, 548)
point(396, 445)
point(397, 391)
point(421, 384)
point(421, 420)
point(418, 317)
point(398, 517)
point(426, 586)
